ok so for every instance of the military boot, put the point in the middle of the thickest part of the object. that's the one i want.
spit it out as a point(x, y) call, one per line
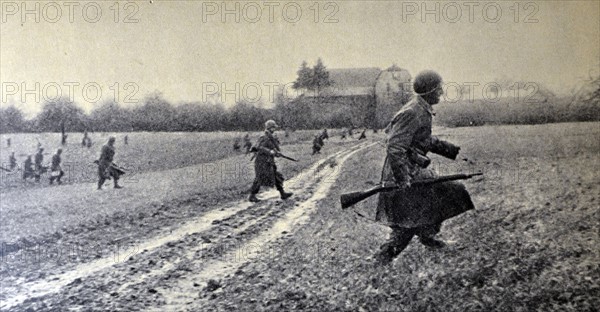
point(432, 242)
point(253, 198)
point(285, 195)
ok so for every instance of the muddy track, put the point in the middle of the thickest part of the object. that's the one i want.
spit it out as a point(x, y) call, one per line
point(167, 272)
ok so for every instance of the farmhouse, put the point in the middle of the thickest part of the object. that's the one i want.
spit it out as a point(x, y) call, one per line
point(363, 97)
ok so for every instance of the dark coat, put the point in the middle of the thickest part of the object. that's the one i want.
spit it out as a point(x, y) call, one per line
point(264, 163)
point(104, 163)
point(55, 163)
point(410, 132)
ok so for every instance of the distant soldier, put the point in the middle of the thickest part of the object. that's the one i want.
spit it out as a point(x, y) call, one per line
point(417, 210)
point(363, 135)
point(64, 138)
point(12, 161)
point(106, 169)
point(287, 132)
point(317, 144)
point(28, 171)
point(56, 172)
point(85, 138)
point(265, 169)
point(374, 130)
point(8, 142)
point(247, 143)
point(324, 135)
point(343, 134)
point(126, 139)
point(236, 144)
point(39, 168)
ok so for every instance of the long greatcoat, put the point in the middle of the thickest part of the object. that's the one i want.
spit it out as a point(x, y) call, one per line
point(264, 163)
point(409, 132)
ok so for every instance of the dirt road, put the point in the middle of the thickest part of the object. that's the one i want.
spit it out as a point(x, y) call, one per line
point(205, 245)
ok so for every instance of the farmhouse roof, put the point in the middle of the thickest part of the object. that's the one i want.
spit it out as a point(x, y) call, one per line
point(350, 81)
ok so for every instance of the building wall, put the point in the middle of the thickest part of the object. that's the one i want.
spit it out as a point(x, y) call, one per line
point(392, 90)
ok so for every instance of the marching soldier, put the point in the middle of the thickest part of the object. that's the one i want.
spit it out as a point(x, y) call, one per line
point(12, 161)
point(363, 135)
point(247, 143)
point(28, 168)
point(39, 169)
point(418, 210)
point(56, 172)
point(324, 135)
point(317, 144)
point(265, 169)
point(105, 165)
point(236, 144)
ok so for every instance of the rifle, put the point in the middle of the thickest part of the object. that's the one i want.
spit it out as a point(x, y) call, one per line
point(5, 169)
point(349, 199)
point(254, 149)
point(120, 170)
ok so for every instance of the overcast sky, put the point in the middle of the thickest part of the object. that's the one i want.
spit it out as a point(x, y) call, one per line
point(186, 49)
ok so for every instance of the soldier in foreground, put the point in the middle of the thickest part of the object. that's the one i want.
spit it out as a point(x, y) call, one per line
point(267, 148)
point(105, 168)
point(418, 210)
point(56, 172)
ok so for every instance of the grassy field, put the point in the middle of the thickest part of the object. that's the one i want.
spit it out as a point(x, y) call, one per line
point(514, 111)
point(145, 152)
point(530, 244)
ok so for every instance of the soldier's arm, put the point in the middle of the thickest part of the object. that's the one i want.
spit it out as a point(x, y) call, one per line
point(443, 148)
point(261, 147)
point(401, 135)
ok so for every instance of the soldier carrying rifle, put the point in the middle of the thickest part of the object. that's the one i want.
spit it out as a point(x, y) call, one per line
point(265, 169)
point(417, 210)
point(106, 168)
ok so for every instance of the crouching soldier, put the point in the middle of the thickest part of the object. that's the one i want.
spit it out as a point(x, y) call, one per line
point(106, 170)
point(418, 210)
point(265, 169)
point(56, 170)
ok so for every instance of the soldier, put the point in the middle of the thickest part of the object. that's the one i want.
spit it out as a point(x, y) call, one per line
point(105, 165)
point(28, 168)
point(324, 135)
point(236, 144)
point(363, 135)
point(126, 139)
point(12, 161)
point(85, 138)
point(265, 169)
point(39, 169)
point(8, 142)
point(417, 210)
point(317, 144)
point(247, 143)
point(56, 172)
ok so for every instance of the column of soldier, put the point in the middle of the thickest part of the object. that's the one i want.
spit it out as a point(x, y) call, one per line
point(34, 169)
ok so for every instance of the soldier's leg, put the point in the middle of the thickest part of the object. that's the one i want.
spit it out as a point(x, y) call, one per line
point(101, 177)
point(399, 239)
point(427, 235)
point(115, 176)
point(254, 190)
point(60, 175)
point(279, 185)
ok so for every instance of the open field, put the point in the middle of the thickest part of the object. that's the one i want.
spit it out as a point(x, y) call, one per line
point(184, 238)
point(145, 152)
